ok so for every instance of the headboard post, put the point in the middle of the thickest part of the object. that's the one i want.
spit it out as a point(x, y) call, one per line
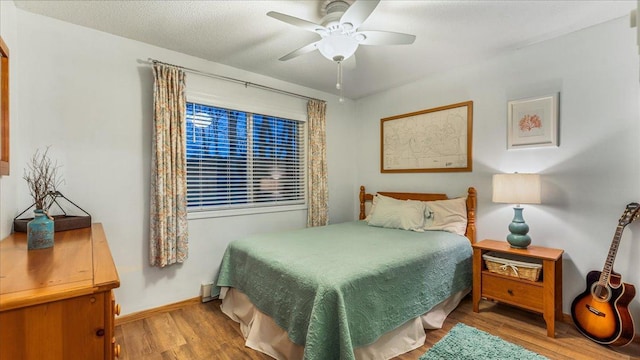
point(362, 214)
point(472, 203)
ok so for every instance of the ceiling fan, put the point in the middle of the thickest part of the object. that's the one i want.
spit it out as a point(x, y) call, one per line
point(338, 31)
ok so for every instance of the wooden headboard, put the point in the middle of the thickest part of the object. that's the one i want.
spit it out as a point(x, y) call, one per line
point(471, 205)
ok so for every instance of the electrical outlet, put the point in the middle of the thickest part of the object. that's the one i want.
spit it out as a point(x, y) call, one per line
point(205, 291)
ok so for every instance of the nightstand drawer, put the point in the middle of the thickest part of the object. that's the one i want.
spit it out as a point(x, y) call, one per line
point(527, 295)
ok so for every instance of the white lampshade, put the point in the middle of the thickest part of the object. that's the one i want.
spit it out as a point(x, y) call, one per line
point(516, 188)
point(338, 47)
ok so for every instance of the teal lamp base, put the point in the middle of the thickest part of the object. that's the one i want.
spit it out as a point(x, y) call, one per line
point(518, 238)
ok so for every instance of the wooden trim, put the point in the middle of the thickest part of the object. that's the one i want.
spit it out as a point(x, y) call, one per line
point(105, 275)
point(158, 310)
point(4, 108)
point(472, 203)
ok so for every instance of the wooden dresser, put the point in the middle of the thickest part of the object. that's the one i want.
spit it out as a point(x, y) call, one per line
point(58, 303)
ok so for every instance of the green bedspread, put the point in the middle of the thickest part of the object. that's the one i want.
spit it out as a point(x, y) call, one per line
point(341, 286)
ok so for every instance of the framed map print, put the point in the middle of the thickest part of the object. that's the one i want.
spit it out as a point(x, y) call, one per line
point(533, 122)
point(433, 140)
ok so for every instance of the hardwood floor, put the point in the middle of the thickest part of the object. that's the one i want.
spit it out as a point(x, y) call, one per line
point(202, 331)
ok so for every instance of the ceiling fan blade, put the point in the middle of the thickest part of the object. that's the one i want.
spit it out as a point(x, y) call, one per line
point(386, 38)
point(292, 20)
point(358, 12)
point(303, 50)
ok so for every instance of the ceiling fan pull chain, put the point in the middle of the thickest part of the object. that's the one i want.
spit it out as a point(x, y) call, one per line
point(339, 82)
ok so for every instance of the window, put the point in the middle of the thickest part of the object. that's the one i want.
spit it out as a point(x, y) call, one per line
point(238, 160)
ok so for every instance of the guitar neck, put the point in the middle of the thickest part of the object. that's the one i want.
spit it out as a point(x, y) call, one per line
point(611, 257)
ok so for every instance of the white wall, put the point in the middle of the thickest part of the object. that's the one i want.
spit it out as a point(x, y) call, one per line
point(587, 180)
point(88, 95)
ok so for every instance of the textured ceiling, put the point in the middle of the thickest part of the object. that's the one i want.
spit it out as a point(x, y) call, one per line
point(239, 34)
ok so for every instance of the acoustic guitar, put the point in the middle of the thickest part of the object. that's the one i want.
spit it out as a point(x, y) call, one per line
point(601, 312)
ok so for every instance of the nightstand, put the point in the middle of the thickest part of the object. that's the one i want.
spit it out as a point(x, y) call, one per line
point(543, 296)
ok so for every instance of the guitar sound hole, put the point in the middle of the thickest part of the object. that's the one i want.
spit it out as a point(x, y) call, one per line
point(600, 293)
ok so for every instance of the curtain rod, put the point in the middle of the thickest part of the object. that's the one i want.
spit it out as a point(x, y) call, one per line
point(238, 81)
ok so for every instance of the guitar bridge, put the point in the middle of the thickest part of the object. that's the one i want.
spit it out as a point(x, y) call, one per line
point(595, 311)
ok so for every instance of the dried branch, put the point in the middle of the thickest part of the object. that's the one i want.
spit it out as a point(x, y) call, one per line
point(42, 178)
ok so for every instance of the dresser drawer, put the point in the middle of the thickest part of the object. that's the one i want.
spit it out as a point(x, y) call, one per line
point(527, 294)
point(70, 328)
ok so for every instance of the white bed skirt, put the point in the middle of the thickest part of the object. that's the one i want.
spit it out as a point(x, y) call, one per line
point(263, 334)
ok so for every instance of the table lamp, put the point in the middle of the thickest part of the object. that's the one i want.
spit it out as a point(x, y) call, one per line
point(517, 189)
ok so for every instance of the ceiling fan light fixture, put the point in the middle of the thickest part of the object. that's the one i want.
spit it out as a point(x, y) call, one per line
point(338, 47)
point(339, 34)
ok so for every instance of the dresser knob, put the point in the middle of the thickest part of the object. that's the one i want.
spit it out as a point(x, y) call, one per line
point(116, 347)
point(100, 332)
point(510, 292)
point(116, 309)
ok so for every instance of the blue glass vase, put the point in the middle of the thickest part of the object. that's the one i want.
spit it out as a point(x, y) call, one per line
point(40, 231)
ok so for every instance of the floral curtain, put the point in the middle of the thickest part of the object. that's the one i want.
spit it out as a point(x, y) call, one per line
point(318, 210)
point(168, 243)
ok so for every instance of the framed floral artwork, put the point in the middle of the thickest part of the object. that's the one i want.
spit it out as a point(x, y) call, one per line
point(533, 122)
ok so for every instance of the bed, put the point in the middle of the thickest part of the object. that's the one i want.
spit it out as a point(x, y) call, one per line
point(356, 290)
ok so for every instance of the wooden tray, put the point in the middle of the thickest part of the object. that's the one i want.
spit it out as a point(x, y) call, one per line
point(60, 223)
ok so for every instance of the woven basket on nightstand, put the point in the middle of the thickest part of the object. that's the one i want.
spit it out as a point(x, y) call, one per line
point(513, 265)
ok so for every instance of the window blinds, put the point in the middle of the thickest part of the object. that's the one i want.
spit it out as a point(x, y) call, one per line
point(237, 159)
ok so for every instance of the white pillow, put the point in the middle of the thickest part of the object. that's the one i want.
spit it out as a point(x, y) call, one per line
point(448, 215)
point(397, 214)
point(374, 202)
